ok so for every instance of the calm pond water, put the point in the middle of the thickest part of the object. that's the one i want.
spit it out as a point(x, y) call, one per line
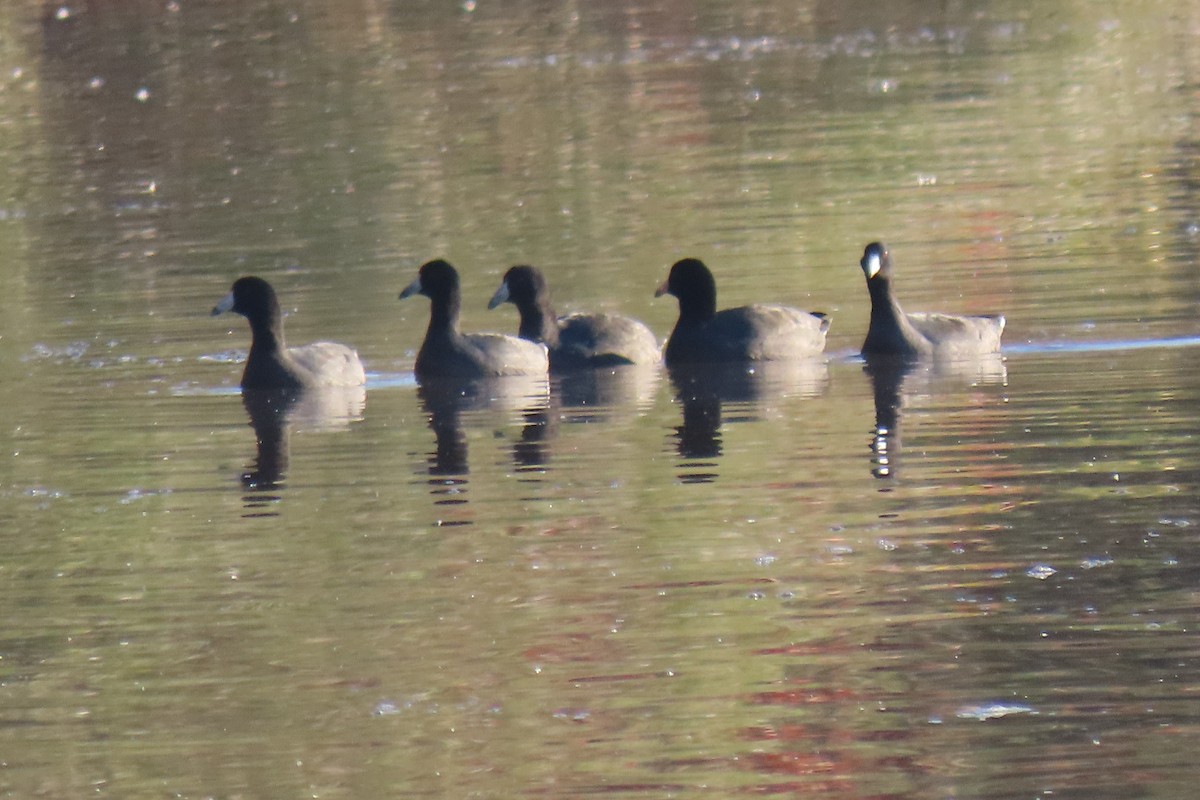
point(977, 582)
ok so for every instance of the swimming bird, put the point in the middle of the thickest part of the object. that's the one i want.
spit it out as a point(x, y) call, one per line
point(575, 341)
point(271, 363)
point(759, 332)
point(893, 332)
point(446, 352)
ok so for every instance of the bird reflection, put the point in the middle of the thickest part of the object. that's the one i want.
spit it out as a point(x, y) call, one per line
point(273, 413)
point(890, 374)
point(268, 414)
point(591, 394)
point(446, 400)
point(698, 438)
point(702, 389)
point(443, 403)
point(540, 423)
point(887, 376)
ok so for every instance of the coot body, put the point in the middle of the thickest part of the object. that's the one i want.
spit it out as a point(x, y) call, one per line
point(575, 341)
point(271, 363)
point(447, 352)
point(892, 332)
point(759, 332)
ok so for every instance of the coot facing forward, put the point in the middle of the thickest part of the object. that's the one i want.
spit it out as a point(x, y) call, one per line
point(893, 332)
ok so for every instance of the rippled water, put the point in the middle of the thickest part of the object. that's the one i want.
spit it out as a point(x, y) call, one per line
point(975, 581)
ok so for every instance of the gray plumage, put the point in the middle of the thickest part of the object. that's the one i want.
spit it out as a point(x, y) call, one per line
point(575, 341)
point(271, 364)
point(892, 332)
point(446, 352)
point(760, 332)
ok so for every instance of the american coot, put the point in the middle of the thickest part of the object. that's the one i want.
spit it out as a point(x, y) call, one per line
point(895, 333)
point(759, 332)
point(576, 341)
point(273, 365)
point(448, 353)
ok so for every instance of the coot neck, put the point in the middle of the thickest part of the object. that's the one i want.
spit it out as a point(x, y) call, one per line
point(697, 308)
point(539, 323)
point(268, 364)
point(267, 333)
point(884, 305)
point(443, 314)
point(889, 331)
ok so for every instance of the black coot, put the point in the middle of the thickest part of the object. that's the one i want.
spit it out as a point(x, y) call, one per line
point(759, 332)
point(892, 332)
point(448, 353)
point(576, 341)
point(273, 365)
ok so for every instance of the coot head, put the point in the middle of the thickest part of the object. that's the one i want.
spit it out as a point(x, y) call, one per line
point(691, 282)
point(876, 261)
point(251, 297)
point(523, 286)
point(436, 279)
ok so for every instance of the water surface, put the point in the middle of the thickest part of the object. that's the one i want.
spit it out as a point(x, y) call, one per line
point(974, 581)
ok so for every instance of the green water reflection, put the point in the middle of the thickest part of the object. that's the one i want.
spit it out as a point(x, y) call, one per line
point(632, 596)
